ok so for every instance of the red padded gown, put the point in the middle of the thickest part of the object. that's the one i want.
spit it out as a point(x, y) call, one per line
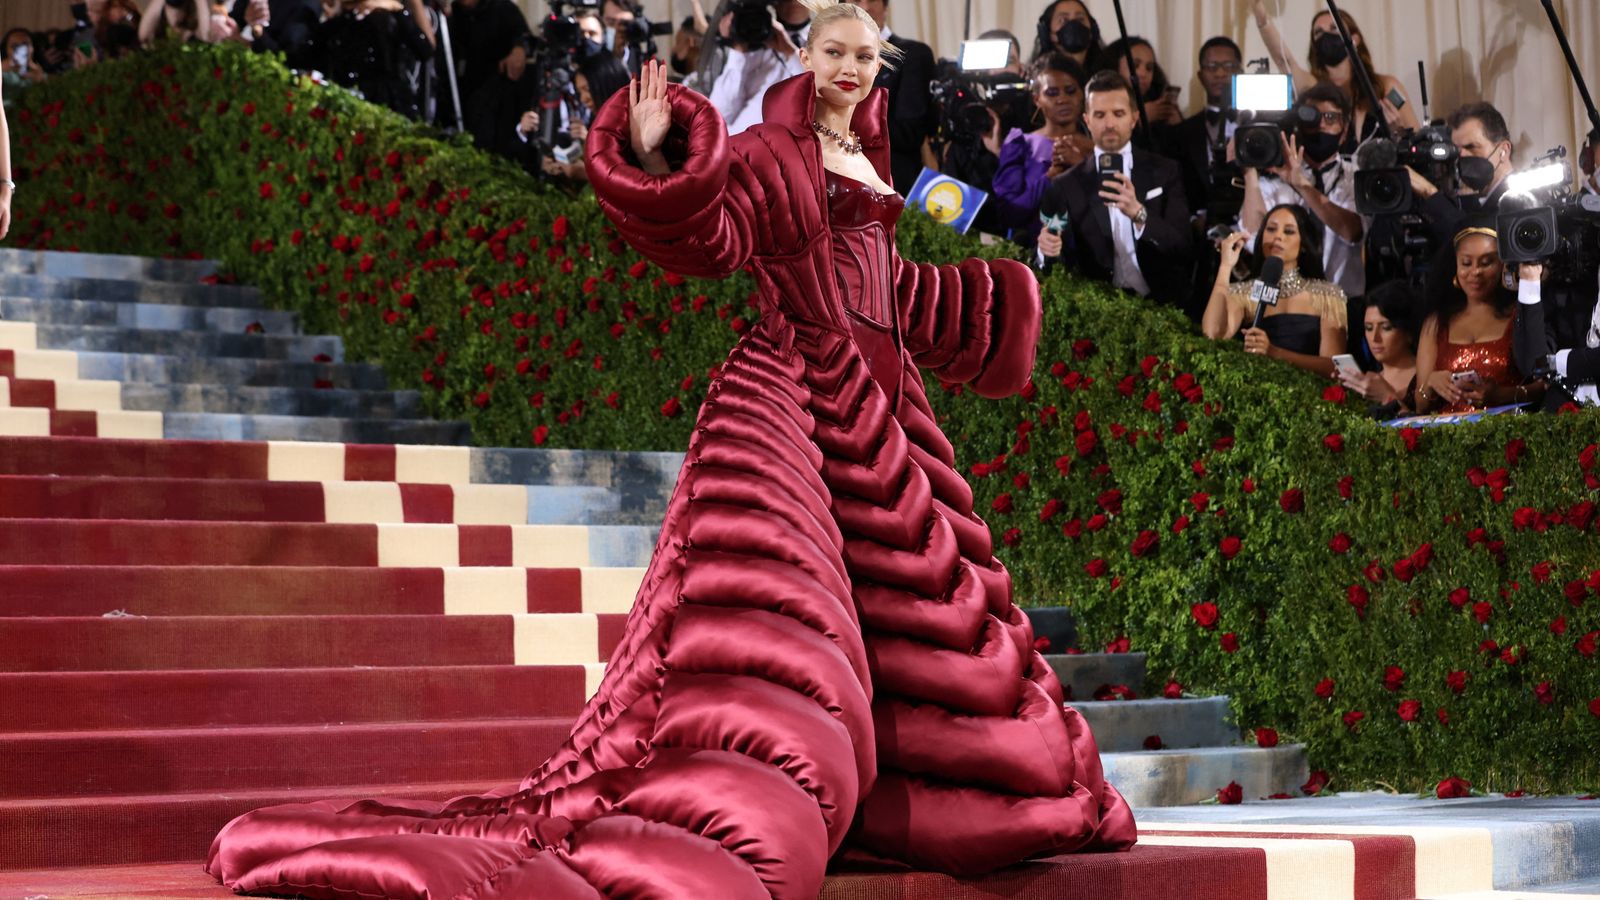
point(824, 661)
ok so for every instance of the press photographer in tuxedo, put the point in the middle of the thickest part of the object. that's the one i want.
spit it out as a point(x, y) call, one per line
point(1126, 218)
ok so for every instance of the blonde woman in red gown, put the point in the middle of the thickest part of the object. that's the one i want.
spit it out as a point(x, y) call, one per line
point(824, 661)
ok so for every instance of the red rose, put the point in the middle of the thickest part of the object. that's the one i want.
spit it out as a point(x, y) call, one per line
point(1356, 595)
point(1110, 501)
point(1394, 678)
point(1012, 537)
point(1514, 450)
point(1083, 348)
point(1324, 689)
point(1179, 524)
point(1541, 571)
point(1315, 784)
point(1334, 442)
point(1041, 645)
point(540, 434)
point(1111, 692)
point(1172, 691)
point(1347, 486)
point(1229, 642)
point(1073, 528)
point(481, 400)
point(1443, 715)
point(1594, 707)
point(1453, 788)
point(1148, 365)
point(1340, 543)
point(1119, 645)
point(1153, 742)
point(671, 408)
point(1525, 517)
point(1586, 457)
point(1334, 393)
point(1477, 536)
point(1409, 710)
point(1230, 795)
point(1049, 510)
point(1248, 486)
point(1205, 614)
point(1001, 504)
point(1353, 718)
point(1229, 547)
point(1481, 611)
point(1411, 437)
point(1097, 522)
point(1559, 626)
point(1266, 737)
point(1097, 568)
point(1456, 681)
point(1545, 693)
point(1587, 645)
point(559, 228)
point(1152, 402)
point(1145, 544)
point(1292, 500)
point(1086, 442)
point(1460, 597)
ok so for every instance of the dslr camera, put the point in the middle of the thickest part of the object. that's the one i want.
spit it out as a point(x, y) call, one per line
point(1267, 111)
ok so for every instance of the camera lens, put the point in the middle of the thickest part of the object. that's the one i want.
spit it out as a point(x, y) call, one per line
point(1530, 235)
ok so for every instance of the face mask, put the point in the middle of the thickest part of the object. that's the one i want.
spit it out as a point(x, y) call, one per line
point(1475, 172)
point(1330, 49)
point(1074, 37)
point(590, 48)
point(1320, 146)
point(610, 38)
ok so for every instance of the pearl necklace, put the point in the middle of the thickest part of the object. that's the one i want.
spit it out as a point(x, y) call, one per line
point(851, 144)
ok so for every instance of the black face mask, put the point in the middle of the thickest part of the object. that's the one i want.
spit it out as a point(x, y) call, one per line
point(1475, 172)
point(1330, 49)
point(1074, 37)
point(1320, 145)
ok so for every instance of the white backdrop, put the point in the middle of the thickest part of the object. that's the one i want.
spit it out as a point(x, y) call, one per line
point(1499, 50)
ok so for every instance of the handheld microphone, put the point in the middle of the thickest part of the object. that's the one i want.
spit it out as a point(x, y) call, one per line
point(1265, 290)
point(1055, 221)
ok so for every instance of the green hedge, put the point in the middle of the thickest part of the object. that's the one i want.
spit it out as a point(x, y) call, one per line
point(1220, 512)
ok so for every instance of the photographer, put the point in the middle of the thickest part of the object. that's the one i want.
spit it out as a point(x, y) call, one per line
point(1478, 131)
point(1193, 142)
point(277, 26)
point(971, 132)
point(599, 76)
point(1317, 177)
point(759, 56)
point(490, 41)
point(368, 44)
point(21, 66)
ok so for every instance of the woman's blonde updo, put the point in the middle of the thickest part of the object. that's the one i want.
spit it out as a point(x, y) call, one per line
point(826, 12)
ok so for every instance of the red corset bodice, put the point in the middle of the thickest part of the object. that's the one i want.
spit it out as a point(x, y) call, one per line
point(862, 220)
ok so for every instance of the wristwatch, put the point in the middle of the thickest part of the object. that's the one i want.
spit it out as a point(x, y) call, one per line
point(1143, 215)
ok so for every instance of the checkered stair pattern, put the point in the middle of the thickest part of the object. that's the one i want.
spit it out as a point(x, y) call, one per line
point(237, 570)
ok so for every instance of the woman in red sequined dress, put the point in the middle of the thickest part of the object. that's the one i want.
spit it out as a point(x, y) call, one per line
point(1464, 354)
point(824, 664)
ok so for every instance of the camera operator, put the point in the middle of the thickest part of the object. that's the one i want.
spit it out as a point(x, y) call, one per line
point(759, 55)
point(277, 26)
point(1128, 222)
point(912, 115)
point(1193, 142)
point(21, 66)
point(1479, 131)
point(972, 130)
point(1317, 177)
point(490, 40)
point(686, 42)
point(599, 76)
point(629, 34)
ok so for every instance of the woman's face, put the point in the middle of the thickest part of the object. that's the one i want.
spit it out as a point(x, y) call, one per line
point(1059, 98)
point(1067, 11)
point(580, 83)
point(1323, 24)
point(1280, 237)
point(1478, 266)
point(1145, 59)
point(1388, 341)
point(844, 56)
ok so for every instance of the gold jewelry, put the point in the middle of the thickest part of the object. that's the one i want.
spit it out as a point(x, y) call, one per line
point(1455, 281)
point(1476, 229)
point(850, 145)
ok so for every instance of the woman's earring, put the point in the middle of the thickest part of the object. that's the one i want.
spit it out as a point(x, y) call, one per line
point(1455, 281)
point(1508, 278)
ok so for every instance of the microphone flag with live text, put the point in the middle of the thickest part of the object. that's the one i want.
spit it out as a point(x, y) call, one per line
point(1265, 291)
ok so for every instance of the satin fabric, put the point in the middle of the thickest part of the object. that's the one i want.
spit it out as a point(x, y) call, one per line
point(823, 661)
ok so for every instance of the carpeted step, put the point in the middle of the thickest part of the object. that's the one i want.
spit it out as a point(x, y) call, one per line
point(1179, 777)
point(1174, 724)
point(212, 499)
point(270, 401)
point(189, 760)
point(155, 368)
point(235, 427)
point(113, 423)
point(284, 591)
point(113, 542)
point(233, 345)
point(61, 395)
point(134, 269)
point(154, 316)
point(1084, 674)
point(170, 826)
point(72, 644)
point(210, 698)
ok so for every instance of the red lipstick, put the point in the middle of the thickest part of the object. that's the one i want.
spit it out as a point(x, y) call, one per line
point(846, 86)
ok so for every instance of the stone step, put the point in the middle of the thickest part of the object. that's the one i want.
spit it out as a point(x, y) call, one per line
point(114, 339)
point(45, 287)
point(154, 368)
point(209, 426)
point(62, 264)
point(1182, 777)
point(1082, 674)
point(271, 401)
point(153, 316)
point(1122, 725)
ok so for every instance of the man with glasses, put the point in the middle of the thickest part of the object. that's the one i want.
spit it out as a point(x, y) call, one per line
point(1318, 178)
point(1193, 140)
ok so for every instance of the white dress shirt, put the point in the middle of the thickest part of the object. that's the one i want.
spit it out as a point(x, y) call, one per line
point(744, 80)
point(1125, 272)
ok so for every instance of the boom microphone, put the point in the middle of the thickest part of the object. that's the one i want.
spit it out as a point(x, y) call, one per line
point(1265, 291)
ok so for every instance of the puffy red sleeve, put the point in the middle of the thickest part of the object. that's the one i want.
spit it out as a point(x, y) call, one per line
point(975, 323)
point(699, 219)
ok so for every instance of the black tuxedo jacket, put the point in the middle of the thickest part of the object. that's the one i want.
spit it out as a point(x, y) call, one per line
point(912, 115)
point(1187, 146)
point(292, 22)
point(1164, 251)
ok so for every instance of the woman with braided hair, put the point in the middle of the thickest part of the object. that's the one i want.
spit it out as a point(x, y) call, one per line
point(824, 663)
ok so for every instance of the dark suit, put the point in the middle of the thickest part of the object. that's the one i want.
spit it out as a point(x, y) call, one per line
point(1164, 250)
point(290, 23)
point(912, 116)
point(1188, 145)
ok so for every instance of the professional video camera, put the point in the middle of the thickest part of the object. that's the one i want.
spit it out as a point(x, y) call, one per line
point(558, 46)
point(642, 33)
point(966, 91)
point(1542, 220)
point(752, 23)
point(1266, 111)
point(1383, 186)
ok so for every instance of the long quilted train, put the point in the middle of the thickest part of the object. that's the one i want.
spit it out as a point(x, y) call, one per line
point(824, 661)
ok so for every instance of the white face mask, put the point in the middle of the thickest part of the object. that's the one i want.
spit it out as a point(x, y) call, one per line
point(608, 40)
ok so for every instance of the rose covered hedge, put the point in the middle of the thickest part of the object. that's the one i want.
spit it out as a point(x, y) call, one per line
point(1419, 608)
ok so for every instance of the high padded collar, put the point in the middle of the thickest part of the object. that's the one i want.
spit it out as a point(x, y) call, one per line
point(792, 103)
